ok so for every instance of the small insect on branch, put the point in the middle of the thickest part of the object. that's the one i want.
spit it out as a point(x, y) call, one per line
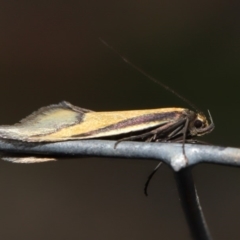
point(179, 131)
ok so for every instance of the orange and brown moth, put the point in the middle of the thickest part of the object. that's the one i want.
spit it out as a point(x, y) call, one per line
point(64, 121)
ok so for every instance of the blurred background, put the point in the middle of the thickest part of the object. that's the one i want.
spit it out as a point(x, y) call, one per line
point(50, 51)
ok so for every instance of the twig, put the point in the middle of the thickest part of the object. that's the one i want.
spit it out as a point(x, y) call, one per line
point(170, 153)
point(191, 205)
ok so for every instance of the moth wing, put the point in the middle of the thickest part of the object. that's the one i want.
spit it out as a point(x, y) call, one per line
point(44, 121)
point(41, 113)
point(111, 124)
point(29, 159)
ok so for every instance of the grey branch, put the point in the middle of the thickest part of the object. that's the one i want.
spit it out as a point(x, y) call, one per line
point(170, 153)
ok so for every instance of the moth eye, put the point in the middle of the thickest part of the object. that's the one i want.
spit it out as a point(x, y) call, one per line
point(198, 123)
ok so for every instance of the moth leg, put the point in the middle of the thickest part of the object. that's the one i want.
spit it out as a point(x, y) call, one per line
point(167, 131)
point(192, 141)
point(135, 137)
point(184, 139)
point(174, 133)
point(178, 130)
point(151, 134)
point(152, 138)
point(197, 141)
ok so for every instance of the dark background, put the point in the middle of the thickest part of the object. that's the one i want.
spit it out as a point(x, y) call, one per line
point(50, 51)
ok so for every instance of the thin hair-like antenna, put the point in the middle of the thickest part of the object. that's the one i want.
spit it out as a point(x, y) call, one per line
point(149, 76)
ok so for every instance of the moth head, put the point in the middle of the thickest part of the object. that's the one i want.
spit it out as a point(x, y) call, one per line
point(200, 125)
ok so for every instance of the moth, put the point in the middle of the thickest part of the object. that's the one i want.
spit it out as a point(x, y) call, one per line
point(64, 121)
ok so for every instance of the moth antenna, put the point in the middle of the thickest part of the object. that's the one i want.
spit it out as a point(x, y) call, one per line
point(126, 60)
point(210, 116)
